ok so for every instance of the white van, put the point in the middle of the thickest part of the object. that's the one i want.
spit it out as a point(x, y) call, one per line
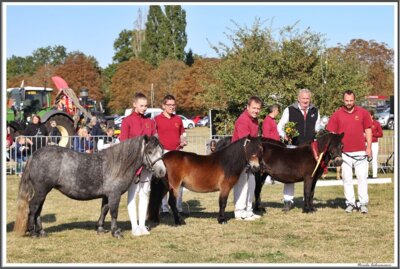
point(150, 112)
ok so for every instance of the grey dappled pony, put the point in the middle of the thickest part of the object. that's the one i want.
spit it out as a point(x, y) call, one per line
point(106, 174)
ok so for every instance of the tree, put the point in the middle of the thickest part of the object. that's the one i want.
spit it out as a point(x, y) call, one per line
point(123, 47)
point(164, 79)
point(190, 88)
point(154, 40)
point(275, 69)
point(379, 60)
point(17, 66)
point(81, 71)
point(189, 59)
point(337, 72)
point(176, 18)
point(165, 35)
point(130, 77)
point(55, 55)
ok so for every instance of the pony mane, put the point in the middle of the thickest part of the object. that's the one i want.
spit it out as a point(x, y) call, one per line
point(272, 141)
point(232, 157)
point(123, 156)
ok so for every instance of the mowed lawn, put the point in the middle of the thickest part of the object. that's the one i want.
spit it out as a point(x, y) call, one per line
point(327, 236)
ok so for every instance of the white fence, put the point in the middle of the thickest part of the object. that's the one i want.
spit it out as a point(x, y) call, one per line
point(17, 155)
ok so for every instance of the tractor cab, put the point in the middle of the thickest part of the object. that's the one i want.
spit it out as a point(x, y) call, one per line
point(25, 101)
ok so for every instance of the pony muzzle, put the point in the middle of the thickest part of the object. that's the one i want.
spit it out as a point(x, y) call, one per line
point(254, 164)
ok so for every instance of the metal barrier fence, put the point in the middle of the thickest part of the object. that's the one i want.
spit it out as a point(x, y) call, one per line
point(21, 149)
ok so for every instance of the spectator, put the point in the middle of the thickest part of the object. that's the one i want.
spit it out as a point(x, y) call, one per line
point(356, 124)
point(212, 146)
point(22, 153)
point(83, 142)
point(172, 136)
point(306, 116)
point(9, 144)
point(36, 134)
point(54, 134)
point(376, 130)
point(132, 126)
point(95, 129)
point(243, 190)
point(107, 141)
point(270, 129)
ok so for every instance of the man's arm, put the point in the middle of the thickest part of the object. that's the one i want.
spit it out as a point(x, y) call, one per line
point(282, 122)
point(368, 136)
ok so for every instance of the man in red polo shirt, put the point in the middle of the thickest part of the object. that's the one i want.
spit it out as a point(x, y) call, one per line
point(132, 126)
point(172, 136)
point(356, 124)
point(243, 191)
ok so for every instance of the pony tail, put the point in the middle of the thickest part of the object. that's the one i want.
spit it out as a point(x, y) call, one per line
point(25, 194)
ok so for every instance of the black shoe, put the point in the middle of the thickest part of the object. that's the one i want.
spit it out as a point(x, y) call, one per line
point(287, 205)
point(164, 214)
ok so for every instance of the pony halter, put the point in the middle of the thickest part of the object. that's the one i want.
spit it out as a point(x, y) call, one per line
point(150, 163)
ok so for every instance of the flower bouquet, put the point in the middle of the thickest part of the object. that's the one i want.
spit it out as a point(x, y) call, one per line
point(290, 131)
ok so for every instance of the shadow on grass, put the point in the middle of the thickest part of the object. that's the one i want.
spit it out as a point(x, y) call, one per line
point(45, 219)
point(194, 209)
point(298, 203)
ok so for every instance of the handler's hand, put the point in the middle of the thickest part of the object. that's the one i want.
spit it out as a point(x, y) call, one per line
point(368, 152)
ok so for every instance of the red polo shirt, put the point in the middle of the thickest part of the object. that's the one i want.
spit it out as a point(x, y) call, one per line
point(245, 125)
point(136, 125)
point(270, 128)
point(376, 131)
point(169, 131)
point(353, 125)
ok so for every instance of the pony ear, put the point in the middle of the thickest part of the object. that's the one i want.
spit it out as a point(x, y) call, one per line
point(341, 135)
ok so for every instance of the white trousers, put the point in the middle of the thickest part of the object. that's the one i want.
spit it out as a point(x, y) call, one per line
point(288, 192)
point(143, 189)
point(374, 162)
point(243, 194)
point(361, 172)
point(288, 188)
point(165, 207)
point(164, 204)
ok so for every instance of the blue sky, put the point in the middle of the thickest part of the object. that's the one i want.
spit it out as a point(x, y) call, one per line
point(92, 29)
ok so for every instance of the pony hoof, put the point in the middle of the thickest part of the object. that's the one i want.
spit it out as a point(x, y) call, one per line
point(42, 234)
point(101, 230)
point(34, 235)
point(117, 234)
point(223, 222)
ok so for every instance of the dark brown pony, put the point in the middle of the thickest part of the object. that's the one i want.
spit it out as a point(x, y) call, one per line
point(291, 165)
point(205, 173)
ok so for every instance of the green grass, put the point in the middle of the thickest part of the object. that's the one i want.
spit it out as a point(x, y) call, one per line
point(328, 236)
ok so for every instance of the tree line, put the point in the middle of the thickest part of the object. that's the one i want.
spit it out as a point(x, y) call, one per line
point(257, 61)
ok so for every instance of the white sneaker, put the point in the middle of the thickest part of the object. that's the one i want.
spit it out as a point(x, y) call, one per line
point(252, 215)
point(140, 230)
point(136, 231)
point(144, 230)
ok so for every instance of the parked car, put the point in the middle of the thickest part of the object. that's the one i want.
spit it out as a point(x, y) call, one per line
point(196, 119)
point(118, 120)
point(385, 119)
point(204, 122)
point(187, 123)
